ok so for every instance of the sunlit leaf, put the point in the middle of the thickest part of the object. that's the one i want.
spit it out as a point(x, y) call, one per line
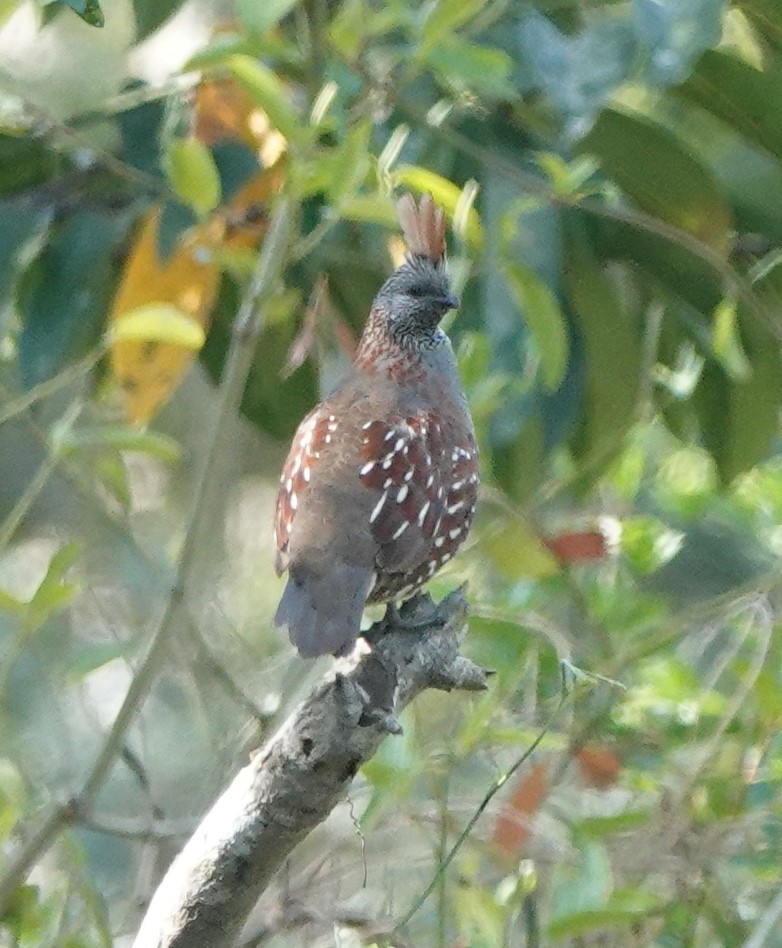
point(727, 342)
point(157, 322)
point(648, 543)
point(169, 304)
point(193, 174)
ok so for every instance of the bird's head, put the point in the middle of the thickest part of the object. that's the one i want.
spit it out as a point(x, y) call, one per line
point(418, 294)
point(414, 299)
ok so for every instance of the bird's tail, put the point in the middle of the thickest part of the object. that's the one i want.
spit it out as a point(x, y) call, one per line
point(323, 612)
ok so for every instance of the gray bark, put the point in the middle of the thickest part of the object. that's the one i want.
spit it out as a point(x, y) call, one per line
point(296, 779)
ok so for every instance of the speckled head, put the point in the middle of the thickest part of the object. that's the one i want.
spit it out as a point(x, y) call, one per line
point(414, 299)
point(418, 294)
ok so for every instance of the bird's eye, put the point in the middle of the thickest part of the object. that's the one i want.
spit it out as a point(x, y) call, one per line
point(417, 291)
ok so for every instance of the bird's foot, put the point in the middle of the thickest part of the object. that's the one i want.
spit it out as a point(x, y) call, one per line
point(417, 613)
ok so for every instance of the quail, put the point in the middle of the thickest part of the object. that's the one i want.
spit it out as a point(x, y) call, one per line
point(379, 488)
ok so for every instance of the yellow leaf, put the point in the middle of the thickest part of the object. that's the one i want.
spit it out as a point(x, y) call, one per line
point(158, 322)
point(149, 368)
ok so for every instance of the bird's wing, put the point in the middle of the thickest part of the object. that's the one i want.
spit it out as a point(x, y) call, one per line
point(423, 492)
point(305, 452)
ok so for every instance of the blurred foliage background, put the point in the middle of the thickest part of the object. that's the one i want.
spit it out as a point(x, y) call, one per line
point(612, 171)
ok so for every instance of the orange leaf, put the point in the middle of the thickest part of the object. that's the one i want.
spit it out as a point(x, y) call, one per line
point(223, 111)
point(244, 217)
point(599, 766)
point(148, 371)
point(512, 827)
point(578, 547)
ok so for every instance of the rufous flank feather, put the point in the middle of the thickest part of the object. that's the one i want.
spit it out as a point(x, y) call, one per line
point(423, 226)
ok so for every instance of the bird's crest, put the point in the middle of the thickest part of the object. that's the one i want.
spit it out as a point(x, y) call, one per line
point(423, 226)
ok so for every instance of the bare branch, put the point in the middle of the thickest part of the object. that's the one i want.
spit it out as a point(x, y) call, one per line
point(294, 782)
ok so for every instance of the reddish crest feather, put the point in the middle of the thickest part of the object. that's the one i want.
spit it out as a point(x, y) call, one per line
point(423, 226)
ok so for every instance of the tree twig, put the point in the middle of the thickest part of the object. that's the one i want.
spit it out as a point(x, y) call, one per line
point(299, 776)
point(247, 327)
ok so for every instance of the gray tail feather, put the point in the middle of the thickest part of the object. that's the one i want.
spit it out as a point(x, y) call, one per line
point(323, 613)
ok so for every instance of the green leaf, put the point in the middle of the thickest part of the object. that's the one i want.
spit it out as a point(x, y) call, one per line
point(480, 69)
point(755, 401)
point(152, 14)
point(444, 18)
point(624, 909)
point(583, 884)
point(727, 341)
point(53, 593)
point(121, 438)
point(267, 91)
point(680, 271)
point(648, 543)
point(655, 169)
point(24, 163)
point(93, 655)
point(12, 796)
point(351, 162)
point(261, 15)
point(368, 209)
point(64, 294)
point(612, 344)
point(274, 404)
point(766, 17)
point(157, 322)
point(516, 552)
point(191, 169)
point(746, 98)
point(544, 320)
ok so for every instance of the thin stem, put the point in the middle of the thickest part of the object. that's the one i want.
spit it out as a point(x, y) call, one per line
point(51, 827)
point(70, 374)
point(492, 792)
point(766, 924)
point(30, 494)
point(246, 329)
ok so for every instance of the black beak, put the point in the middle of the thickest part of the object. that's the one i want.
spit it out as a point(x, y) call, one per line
point(451, 301)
